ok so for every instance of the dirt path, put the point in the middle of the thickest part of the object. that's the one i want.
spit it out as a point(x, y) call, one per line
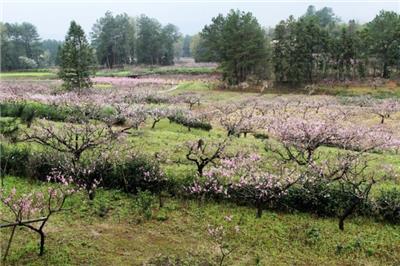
point(169, 90)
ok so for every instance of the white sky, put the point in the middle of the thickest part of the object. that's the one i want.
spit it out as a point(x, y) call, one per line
point(52, 18)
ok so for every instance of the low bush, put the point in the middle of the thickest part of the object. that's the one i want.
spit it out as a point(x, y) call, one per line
point(322, 199)
point(41, 164)
point(14, 160)
point(132, 175)
point(141, 173)
point(136, 173)
point(388, 205)
point(21, 161)
point(261, 136)
point(27, 110)
point(156, 99)
point(189, 121)
point(144, 202)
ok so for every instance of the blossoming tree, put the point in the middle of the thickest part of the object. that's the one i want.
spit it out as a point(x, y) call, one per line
point(33, 210)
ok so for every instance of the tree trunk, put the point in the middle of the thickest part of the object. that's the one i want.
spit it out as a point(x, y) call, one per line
point(385, 73)
point(160, 201)
point(42, 238)
point(259, 210)
point(346, 214)
point(154, 124)
point(200, 169)
point(9, 242)
point(91, 195)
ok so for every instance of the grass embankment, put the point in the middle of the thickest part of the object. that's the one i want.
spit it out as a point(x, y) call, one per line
point(110, 231)
point(28, 75)
point(379, 92)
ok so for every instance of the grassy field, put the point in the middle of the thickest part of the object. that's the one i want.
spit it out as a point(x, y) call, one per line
point(27, 75)
point(111, 231)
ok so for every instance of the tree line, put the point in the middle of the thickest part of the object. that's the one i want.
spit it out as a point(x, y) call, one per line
point(121, 39)
point(21, 47)
point(116, 41)
point(316, 46)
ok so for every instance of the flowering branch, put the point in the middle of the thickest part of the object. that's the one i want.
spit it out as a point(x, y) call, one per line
point(36, 204)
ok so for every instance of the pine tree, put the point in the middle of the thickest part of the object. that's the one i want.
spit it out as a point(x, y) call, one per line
point(76, 57)
point(238, 42)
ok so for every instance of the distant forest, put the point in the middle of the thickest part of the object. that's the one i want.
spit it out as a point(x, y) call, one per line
point(313, 47)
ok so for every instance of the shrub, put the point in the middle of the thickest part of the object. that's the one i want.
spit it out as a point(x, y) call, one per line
point(156, 99)
point(26, 110)
point(11, 108)
point(388, 205)
point(27, 63)
point(189, 121)
point(13, 160)
point(320, 198)
point(144, 202)
point(312, 235)
point(20, 161)
point(134, 174)
point(29, 110)
point(261, 136)
point(41, 164)
point(27, 115)
point(9, 128)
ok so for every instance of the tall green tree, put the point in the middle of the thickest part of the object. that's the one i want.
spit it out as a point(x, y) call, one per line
point(237, 41)
point(199, 51)
point(51, 48)
point(298, 50)
point(169, 36)
point(382, 35)
point(114, 39)
point(148, 40)
point(155, 43)
point(76, 57)
point(186, 52)
point(347, 52)
point(281, 51)
point(20, 46)
point(5, 45)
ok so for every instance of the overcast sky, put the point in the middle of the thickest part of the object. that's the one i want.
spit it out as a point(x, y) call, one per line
point(52, 18)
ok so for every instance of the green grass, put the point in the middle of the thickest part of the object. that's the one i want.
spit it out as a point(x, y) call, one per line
point(102, 86)
point(33, 75)
point(110, 231)
point(113, 73)
point(194, 86)
point(380, 92)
